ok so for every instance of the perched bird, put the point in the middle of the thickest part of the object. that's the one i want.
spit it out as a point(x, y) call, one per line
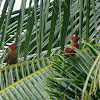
point(74, 43)
point(12, 56)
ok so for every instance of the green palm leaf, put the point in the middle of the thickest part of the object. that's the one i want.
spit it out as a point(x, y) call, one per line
point(13, 73)
point(30, 87)
point(41, 27)
point(32, 47)
point(72, 73)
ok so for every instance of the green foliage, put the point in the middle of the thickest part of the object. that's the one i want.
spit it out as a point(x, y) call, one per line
point(65, 23)
point(31, 87)
point(43, 30)
point(53, 24)
point(38, 41)
point(13, 73)
point(77, 76)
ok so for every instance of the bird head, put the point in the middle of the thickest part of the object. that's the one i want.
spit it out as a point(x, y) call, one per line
point(75, 38)
point(13, 46)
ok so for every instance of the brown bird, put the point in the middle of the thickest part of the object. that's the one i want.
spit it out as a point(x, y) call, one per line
point(74, 43)
point(12, 56)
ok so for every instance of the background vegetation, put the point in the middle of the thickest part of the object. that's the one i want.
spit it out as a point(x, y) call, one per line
point(43, 31)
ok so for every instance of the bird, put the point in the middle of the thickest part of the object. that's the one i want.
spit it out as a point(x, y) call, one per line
point(74, 43)
point(12, 55)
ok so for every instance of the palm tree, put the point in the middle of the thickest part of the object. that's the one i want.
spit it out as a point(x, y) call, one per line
point(43, 30)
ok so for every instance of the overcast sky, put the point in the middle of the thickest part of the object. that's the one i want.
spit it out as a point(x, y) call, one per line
point(16, 6)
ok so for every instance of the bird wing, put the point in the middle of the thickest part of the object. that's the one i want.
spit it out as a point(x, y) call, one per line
point(67, 50)
point(77, 46)
point(11, 59)
point(8, 58)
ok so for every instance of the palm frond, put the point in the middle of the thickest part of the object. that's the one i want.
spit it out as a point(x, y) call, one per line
point(43, 26)
point(72, 73)
point(30, 87)
point(32, 47)
point(13, 73)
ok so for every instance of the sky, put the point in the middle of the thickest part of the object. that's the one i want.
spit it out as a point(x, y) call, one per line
point(16, 6)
